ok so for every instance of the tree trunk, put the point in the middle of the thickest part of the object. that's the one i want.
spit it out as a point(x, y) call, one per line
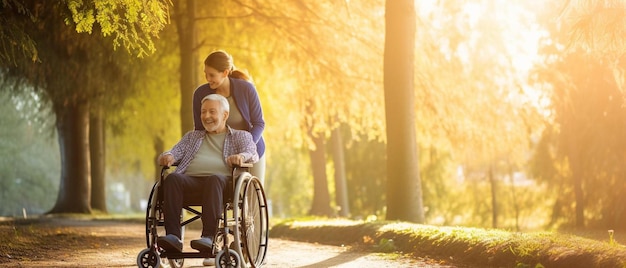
point(97, 153)
point(516, 208)
point(341, 190)
point(494, 198)
point(186, 28)
point(577, 166)
point(321, 196)
point(578, 191)
point(404, 190)
point(75, 187)
point(159, 147)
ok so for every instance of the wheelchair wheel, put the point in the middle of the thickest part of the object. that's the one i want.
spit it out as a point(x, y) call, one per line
point(232, 260)
point(218, 244)
point(153, 217)
point(251, 221)
point(148, 259)
point(254, 222)
point(155, 228)
point(176, 263)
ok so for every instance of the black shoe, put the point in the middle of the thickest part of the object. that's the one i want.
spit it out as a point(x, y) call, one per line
point(202, 244)
point(170, 243)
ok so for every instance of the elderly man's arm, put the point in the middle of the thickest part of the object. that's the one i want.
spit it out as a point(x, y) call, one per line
point(249, 152)
point(177, 152)
point(244, 149)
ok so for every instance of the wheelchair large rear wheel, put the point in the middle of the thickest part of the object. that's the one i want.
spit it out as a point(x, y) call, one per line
point(255, 223)
point(251, 221)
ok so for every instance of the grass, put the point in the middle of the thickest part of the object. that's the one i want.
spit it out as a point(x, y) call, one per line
point(473, 247)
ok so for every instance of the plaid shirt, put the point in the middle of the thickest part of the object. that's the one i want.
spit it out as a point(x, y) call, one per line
point(236, 142)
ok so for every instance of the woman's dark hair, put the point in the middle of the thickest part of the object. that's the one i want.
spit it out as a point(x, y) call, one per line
point(222, 61)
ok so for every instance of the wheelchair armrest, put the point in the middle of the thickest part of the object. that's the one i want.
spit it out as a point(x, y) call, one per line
point(237, 169)
point(245, 165)
point(165, 168)
point(168, 167)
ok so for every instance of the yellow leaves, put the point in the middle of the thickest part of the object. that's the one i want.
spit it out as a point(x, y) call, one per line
point(84, 19)
point(597, 27)
point(132, 23)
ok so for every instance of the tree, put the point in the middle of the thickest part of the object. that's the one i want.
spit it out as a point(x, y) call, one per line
point(586, 136)
point(582, 150)
point(185, 20)
point(132, 24)
point(341, 188)
point(11, 34)
point(97, 156)
point(404, 192)
point(598, 28)
point(64, 75)
point(474, 107)
point(312, 44)
point(321, 197)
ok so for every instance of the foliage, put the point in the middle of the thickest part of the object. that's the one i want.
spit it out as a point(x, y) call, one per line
point(365, 172)
point(78, 70)
point(14, 43)
point(584, 139)
point(289, 184)
point(301, 70)
point(587, 120)
point(332, 61)
point(313, 46)
point(144, 124)
point(148, 115)
point(133, 24)
point(30, 168)
point(596, 27)
point(475, 111)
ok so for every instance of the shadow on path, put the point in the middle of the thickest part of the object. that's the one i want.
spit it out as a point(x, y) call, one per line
point(340, 258)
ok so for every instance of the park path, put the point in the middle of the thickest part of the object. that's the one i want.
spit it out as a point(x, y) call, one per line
point(117, 243)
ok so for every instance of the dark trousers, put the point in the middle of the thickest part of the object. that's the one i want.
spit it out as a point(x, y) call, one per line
point(209, 189)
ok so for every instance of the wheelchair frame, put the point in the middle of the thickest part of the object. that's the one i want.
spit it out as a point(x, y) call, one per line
point(241, 240)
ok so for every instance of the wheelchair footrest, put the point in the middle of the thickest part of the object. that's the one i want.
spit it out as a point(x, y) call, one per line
point(185, 255)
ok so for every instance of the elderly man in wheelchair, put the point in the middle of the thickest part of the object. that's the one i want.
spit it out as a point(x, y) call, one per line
point(204, 160)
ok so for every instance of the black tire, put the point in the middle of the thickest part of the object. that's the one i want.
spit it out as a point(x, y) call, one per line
point(148, 259)
point(232, 260)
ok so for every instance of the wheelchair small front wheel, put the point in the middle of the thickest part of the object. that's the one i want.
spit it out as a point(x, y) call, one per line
point(176, 263)
point(230, 260)
point(148, 259)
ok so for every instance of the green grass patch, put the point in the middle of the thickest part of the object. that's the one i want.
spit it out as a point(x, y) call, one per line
point(461, 245)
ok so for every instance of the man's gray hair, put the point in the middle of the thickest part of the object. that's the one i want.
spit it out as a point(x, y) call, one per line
point(219, 98)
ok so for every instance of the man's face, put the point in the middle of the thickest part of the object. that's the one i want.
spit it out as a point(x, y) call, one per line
point(214, 77)
point(213, 118)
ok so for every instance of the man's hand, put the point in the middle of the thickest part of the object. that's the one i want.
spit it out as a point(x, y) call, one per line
point(236, 159)
point(166, 160)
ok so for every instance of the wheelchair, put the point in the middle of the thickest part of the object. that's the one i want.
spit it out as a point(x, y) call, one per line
point(242, 235)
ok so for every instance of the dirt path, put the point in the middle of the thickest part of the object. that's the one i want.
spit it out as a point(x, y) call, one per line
point(104, 243)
